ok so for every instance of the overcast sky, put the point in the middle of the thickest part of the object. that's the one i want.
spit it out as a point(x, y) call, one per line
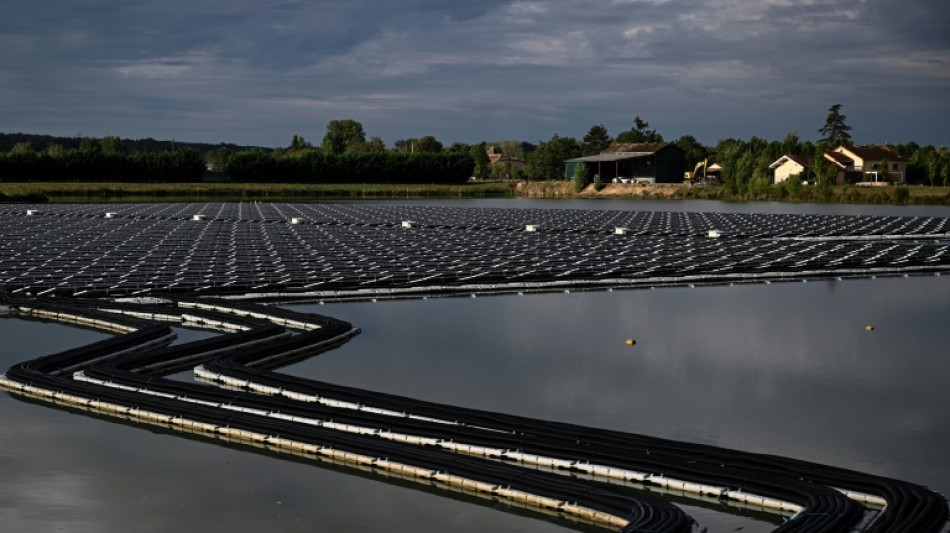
point(259, 71)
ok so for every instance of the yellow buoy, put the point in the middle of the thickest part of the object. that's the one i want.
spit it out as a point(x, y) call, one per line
point(869, 328)
point(631, 342)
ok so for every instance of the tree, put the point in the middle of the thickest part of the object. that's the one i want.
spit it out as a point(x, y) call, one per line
point(728, 153)
point(459, 148)
point(742, 172)
point(344, 135)
point(792, 144)
point(113, 145)
point(55, 150)
point(884, 170)
point(88, 144)
point(822, 171)
point(547, 162)
point(596, 140)
point(24, 147)
point(428, 143)
point(835, 131)
point(907, 150)
point(375, 144)
point(640, 133)
point(695, 152)
point(934, 165)
point(218, 159)
point(581, 178)
point(479, 153)
point(299, 144)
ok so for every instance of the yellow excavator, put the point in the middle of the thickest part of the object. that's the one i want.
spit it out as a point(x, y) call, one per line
point(695, 176)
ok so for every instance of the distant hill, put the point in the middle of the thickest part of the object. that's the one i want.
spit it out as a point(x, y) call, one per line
point(41, 142)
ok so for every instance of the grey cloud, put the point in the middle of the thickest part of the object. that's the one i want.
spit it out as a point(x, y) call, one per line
point(257, 72)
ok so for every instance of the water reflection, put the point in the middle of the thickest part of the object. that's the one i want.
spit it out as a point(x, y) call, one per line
point(783, 368)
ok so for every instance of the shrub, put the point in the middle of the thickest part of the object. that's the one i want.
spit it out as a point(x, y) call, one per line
point(759, 187)
point(581, 178)
point(901, 195)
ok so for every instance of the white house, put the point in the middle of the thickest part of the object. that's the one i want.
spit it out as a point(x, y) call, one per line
point(790, 165)
point(867, 164)
point(854, 164)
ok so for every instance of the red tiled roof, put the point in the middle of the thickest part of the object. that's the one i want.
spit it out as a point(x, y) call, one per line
point(875, 153)
point(840, 158)
point(803, 160)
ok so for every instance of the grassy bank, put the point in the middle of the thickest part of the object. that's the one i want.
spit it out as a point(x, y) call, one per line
point(915, 194)
point(234, 192)
point(223, 192)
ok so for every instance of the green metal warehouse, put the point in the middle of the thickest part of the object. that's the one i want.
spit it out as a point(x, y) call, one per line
point(653, 162)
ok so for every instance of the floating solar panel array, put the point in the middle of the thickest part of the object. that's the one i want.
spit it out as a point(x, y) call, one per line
point(324, 250)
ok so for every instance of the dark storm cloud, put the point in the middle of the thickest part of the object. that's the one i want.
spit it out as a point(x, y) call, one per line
point(258, 72)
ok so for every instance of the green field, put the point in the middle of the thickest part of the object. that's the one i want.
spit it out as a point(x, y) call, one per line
point(274, 192)
point(223, 192)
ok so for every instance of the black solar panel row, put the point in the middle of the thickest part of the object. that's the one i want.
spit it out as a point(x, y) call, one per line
point(145, 248)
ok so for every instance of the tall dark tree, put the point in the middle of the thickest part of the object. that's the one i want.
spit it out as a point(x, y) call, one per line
point(835, 131)
point(596, 140)
point(695, 151)
point(479, 153)
point(344, 135)
point(640, 133)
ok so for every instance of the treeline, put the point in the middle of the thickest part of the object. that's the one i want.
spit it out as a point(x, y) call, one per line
point(42, 143)
point(179, 166)
point(346, 156)
point(365, 167)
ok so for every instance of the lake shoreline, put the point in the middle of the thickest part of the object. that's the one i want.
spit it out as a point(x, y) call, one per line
point(49, 192)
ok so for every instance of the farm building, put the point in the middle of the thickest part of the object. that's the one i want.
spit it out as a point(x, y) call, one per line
point(652, 162)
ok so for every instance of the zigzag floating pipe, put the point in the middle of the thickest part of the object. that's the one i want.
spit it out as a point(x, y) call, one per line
point(454, 447)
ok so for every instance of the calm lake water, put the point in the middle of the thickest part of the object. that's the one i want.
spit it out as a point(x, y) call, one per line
point(784, 368)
